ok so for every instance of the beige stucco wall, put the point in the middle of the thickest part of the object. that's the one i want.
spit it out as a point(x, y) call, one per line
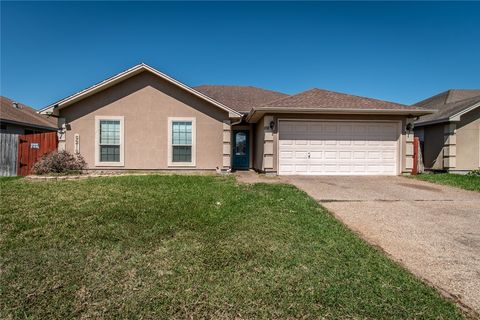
point(258, 145)
point(259, 137)
point(146, 102)
point(468, 141)
point(467, 146)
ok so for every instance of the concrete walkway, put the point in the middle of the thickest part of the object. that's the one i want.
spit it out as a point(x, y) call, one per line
point(432, 230)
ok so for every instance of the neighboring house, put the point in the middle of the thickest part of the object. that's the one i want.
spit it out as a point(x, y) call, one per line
point(451, 136)
point(20, 119)
point(143, 119)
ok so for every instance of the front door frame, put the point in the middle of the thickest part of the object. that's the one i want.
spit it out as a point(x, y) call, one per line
point(246, 164)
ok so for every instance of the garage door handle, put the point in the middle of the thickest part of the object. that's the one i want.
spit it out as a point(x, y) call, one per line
point(309, 155)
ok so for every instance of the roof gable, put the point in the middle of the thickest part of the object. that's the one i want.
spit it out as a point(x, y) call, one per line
point(24, 115)
point(126, 75)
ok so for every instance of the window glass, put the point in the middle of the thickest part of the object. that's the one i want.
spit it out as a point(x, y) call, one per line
point(181, 133)
point(181, 141)
point(182, 154)
point(110, 140)
point(110, 132)
point(240, 144)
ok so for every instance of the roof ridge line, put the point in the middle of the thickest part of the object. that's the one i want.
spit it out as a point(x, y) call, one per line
point(335, 92)
point(363, 97)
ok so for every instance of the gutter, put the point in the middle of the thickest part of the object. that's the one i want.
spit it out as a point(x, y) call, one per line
point(26, 124)
point(412, 112)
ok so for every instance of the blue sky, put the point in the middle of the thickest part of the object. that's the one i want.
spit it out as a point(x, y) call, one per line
point(400, 52)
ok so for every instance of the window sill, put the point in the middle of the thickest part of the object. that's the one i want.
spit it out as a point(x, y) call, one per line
point(109, 164)
point(182, 164)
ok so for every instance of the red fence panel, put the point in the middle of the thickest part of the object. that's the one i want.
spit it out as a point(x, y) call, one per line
point(31, 147)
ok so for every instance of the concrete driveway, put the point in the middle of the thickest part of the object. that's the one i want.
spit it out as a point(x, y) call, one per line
point(432, 230)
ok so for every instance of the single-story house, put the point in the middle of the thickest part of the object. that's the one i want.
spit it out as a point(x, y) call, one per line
point(18, 118)
point(451, 136)
point(143, 119)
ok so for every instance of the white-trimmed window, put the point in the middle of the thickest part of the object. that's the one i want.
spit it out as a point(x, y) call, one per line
point(109, 139)
point(181, 141)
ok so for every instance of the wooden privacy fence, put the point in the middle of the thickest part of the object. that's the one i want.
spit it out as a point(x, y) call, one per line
point(8, 154)
point(417, 157)
point(18, 153)
point(31, 147)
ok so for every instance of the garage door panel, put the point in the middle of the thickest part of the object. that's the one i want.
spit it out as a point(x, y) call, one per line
point(316, 155)
point(338, 148)
point(286, 142)
point(331, 142)
point(301, 155)
point(301, 168)
point(344, 155)
point(301, 142)
point(286, 155)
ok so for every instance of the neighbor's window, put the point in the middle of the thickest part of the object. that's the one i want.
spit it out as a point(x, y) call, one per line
point(182, 141)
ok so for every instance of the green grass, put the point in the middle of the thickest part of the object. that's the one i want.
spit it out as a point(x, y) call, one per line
point(191, 247)
point(468, 182)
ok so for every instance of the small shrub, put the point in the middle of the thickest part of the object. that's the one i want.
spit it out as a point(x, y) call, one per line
point(474, 173)
point(59, 162)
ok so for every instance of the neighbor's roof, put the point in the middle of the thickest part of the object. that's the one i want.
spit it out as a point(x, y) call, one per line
point(450, 105)
point(324, 101)
point(125, 75)
point(240, 98)
point(446, 97)
point(24, 115)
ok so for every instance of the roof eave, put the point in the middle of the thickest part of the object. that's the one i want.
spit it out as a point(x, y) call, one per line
point(456, 116)
point(256, 113)
point(27, 124)
point(427, 123)
point(453, 118)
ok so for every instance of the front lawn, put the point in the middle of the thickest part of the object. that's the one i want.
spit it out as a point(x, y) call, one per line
point(468, 182)
point(195, 247)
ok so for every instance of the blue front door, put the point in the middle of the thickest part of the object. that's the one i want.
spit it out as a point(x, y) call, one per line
point(241, 150)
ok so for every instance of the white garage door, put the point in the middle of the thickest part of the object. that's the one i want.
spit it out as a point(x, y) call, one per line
point(338, 148)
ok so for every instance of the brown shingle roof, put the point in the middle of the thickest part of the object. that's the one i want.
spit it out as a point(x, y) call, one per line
point(24, 115)
point(449, 96)
point(240, 98)
point(318, 99)
point(448, 103)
